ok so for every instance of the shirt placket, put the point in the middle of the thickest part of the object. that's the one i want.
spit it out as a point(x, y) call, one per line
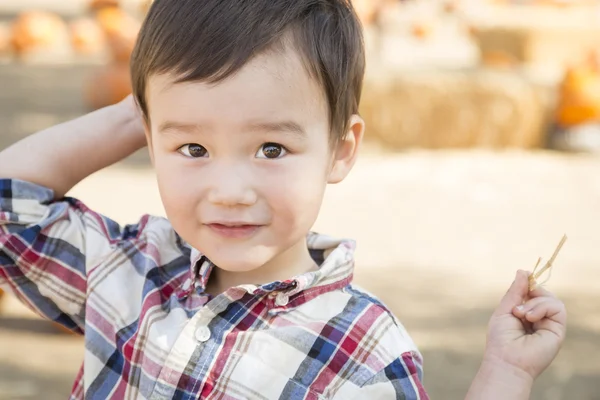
point(196, 333)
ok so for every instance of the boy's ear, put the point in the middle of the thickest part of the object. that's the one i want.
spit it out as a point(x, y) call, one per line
point(347, 150)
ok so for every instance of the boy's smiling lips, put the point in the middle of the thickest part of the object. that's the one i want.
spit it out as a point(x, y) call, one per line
point(233, 229)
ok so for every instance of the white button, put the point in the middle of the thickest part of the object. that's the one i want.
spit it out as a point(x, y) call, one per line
point(187, 284)
point(250, 289)
point(282, 299)
point(202, 334)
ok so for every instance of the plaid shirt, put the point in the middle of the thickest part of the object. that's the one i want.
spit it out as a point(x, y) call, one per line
point(151, 331)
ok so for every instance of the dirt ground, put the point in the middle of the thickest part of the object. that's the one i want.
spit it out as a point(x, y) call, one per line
point(439, 234)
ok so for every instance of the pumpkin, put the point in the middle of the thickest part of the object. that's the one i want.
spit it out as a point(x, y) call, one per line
point(99, 4)
point(108, 86)
point(368, 10)
point(579, 94)
point(86, 36)
point(121, 31)
point(421, 30)
point(37, 30)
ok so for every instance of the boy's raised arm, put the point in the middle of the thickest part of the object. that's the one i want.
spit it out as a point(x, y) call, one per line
point(45, 245)
point(61, 156)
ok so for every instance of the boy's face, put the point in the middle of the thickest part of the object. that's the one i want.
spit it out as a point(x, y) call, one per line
point(242, 165)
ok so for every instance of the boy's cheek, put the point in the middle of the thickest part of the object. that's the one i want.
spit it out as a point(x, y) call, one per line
point(297, 209)
point(178, 194)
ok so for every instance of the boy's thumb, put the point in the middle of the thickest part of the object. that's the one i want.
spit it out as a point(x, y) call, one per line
point(516, 294)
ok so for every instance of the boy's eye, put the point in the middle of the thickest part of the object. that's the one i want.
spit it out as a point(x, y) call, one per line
point(271, 150)
point(193, 150)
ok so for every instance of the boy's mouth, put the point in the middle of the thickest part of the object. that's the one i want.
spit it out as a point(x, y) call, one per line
point(234, 230)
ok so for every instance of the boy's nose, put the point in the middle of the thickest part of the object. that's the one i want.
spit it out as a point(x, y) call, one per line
point(230, 197)
point(232, 189)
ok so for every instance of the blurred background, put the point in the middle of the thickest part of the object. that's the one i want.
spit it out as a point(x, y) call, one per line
point(482, 150)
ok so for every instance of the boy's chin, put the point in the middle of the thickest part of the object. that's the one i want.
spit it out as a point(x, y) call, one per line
point(232, 266)
point(239, 263)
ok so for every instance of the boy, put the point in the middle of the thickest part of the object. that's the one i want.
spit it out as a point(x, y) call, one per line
point(249, 110)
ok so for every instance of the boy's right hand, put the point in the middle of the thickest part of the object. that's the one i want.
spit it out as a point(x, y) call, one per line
point(129, 106)
point(61, 156)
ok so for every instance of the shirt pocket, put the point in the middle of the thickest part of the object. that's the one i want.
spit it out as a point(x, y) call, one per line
point(245, 377)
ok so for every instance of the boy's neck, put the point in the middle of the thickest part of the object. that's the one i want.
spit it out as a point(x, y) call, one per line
point(293, 262)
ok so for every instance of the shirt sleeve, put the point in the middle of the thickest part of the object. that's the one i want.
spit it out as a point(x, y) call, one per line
point(401, 379)
point(45, 247)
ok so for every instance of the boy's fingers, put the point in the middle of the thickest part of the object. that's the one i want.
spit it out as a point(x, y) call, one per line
point(536, 303)
point(516, 294)
point(541, 292)
point(522, 309)
point(550, 308)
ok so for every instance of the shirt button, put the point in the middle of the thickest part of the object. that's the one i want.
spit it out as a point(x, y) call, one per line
point(202, 334)
point(282, 299)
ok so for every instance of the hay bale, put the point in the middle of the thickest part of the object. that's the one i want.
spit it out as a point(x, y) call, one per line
point(552, 45)
point(453, 110)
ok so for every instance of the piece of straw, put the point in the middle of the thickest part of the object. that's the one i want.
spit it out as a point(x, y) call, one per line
point(533, 278)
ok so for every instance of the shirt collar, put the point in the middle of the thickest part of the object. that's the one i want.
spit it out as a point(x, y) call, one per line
point(335, 258)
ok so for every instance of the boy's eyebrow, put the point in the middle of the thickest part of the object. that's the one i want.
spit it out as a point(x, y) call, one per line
point(279, 126)
point(178, 126)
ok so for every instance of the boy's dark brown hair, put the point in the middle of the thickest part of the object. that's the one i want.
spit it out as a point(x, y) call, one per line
point(209, 40)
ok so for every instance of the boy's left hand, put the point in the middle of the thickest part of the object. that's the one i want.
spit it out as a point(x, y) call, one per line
point(527, 329)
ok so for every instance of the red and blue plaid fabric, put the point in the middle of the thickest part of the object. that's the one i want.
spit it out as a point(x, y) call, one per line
point(151, 332)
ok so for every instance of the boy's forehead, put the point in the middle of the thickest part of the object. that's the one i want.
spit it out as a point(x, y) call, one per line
point(278, 74)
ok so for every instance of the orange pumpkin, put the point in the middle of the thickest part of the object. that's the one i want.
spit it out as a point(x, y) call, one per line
point(368, 10)
point(422, 30)
point(108, 86)
point(37, 30)
point(87, 37)
point(121, 30)
point(99, 4)
point(579, 95)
